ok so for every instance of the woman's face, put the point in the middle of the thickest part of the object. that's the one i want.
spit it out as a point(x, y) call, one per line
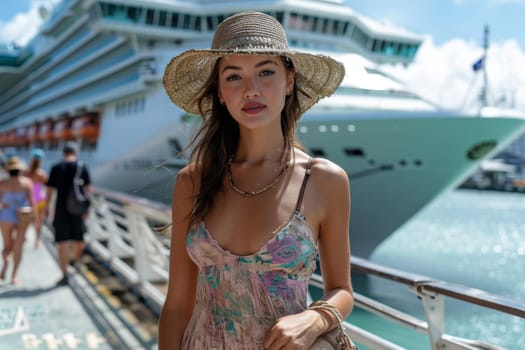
point(254, 88)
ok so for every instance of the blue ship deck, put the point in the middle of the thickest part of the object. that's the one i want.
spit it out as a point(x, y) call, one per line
point(37, 314)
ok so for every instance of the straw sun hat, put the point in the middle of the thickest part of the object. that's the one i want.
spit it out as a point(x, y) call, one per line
point(249, 32)
point(15, 163)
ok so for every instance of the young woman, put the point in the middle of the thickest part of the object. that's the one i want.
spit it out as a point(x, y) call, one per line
point(15, 196)
point(39, 177)
point(252, 209)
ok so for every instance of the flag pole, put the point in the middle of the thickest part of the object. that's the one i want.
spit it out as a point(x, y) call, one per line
point(484, 90)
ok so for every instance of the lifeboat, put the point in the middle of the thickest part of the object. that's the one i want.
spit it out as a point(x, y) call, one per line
point(45, 133)
point(10, 137)
point(32, 132)
point(86, 127)
point(21, 136)
point(62, 129)
point(4, 138)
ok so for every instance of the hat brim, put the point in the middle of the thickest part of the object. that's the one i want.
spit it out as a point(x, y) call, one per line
point(185, 76)
point(15, 166)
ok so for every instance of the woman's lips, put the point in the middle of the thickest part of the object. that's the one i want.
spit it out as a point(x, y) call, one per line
point(253, 107)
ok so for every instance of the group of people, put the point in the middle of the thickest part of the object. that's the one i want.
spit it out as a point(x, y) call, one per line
point(25, 198)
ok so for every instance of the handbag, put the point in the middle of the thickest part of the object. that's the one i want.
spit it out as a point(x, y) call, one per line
point(24, 215)
point(336, 339)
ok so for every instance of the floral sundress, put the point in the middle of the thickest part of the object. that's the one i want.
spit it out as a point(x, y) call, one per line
point(240, 297)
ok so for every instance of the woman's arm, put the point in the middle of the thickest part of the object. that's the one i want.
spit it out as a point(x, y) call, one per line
point(28, 187)
point(334, 239)
point(182, 284)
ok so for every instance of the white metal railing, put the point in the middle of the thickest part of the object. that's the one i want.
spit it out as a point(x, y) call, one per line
point(121, 232)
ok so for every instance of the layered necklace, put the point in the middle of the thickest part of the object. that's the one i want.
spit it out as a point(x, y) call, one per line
point(268, 187)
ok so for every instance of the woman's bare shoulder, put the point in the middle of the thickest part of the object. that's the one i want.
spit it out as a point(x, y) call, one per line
point(328, 172)
point(187, 180)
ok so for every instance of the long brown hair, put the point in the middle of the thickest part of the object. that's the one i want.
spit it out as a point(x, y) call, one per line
point(218, 137)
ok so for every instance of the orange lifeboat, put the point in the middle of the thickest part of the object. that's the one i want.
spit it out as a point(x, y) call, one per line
point(9, 137)
point(21, 136)
point(4, 138)
point(46, 131)
point(32, 132)
point(62, 129)
point(86, 127)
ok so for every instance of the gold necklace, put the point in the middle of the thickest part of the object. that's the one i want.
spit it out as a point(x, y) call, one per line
point(262, 190)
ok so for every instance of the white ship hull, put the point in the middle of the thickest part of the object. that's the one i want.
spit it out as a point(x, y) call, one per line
point(398, 162)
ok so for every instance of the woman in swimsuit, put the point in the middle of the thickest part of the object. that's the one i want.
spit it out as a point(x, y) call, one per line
point(15, 193)
point(39, 178)
point(252, 209)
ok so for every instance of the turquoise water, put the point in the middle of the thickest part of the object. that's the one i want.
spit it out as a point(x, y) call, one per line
point(467, 237)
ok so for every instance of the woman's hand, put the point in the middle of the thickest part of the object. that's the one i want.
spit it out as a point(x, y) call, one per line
point(297, 331)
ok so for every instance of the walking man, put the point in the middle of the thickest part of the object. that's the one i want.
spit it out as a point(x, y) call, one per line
point(69, 228)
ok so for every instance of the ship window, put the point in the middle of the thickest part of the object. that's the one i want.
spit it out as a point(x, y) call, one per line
point(345, 27)
point(359, 37)
point(318, 152)
point(338, 27)
point(412, 49)
point(162, 18)
point(186, 21)
point(293, 20)
point(111, 8)
point(198, 25)
point(388, 48)
point(305, 23)
point(150, 16)
point(375, 45)
point(209, 23)
point(324, 25)
point(403, 50)
point(174, 20)
point(354, 152)
point(315, 24)
point(280, 16)
point(134, 13)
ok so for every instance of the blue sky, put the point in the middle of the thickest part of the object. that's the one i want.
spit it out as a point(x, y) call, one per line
point(452, 32)
point(447, 19)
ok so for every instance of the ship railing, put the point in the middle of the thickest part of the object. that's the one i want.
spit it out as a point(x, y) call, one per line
point(129, 234)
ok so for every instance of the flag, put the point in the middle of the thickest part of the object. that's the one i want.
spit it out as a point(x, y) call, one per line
point(478, 64)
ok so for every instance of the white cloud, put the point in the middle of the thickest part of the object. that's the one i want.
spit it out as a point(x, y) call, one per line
point(21, 28)
point(443, 74)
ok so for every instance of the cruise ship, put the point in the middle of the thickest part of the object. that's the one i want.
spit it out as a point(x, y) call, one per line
point(93, 74)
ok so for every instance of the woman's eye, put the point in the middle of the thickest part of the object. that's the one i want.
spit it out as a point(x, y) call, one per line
point(266, 73)
point(232, 77)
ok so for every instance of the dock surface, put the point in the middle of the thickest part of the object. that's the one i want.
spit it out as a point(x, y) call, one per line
point(38, 314)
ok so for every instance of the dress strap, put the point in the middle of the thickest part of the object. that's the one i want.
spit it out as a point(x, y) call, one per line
point(303, 186)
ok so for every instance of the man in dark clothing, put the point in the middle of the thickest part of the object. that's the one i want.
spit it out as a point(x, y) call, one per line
point(69, 229)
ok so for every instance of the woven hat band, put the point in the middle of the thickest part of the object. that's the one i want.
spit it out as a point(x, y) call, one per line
point(251, 30)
